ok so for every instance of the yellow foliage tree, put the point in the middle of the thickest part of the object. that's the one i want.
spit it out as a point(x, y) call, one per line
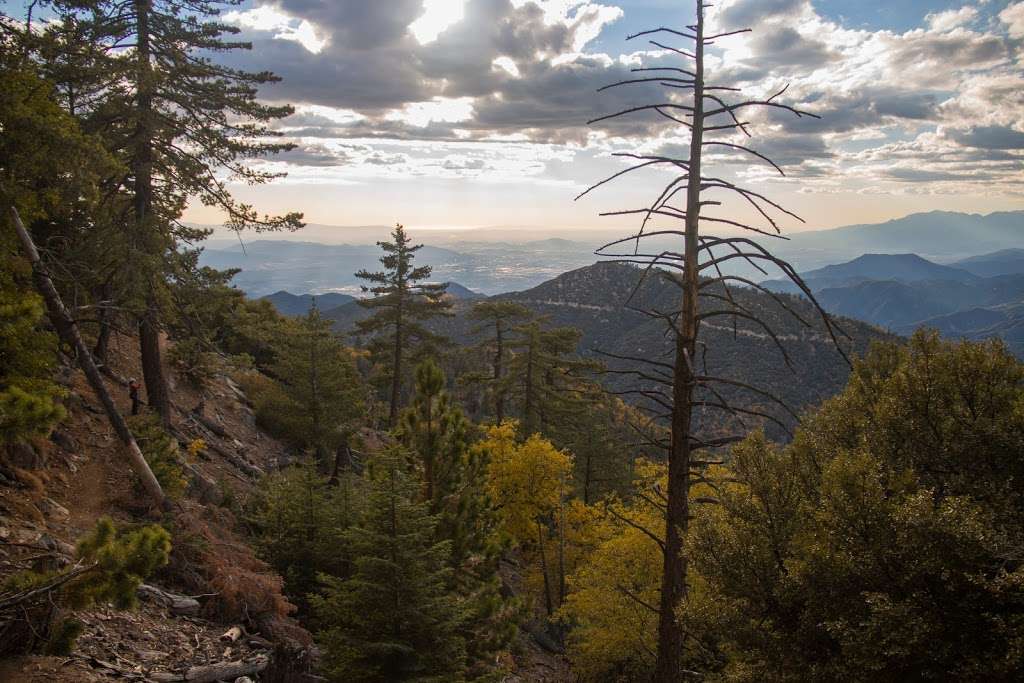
point(529, 483)
point(614, 593)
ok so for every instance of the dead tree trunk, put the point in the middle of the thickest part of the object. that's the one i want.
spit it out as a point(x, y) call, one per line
point(680, 388)
point(677, 522)
point(68, 331)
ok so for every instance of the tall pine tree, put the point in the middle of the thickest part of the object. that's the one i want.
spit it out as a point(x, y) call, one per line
point(497, 319)
point(401, 302)
point(540, 372)
point(178, 120)
point(454, 478)
point(321, 397)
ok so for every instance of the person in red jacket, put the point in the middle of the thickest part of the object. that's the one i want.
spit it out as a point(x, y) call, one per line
point(133, 394)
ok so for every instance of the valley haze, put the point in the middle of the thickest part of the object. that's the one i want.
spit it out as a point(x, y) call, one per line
point(493, 260)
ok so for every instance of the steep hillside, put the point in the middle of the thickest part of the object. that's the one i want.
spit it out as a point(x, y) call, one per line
point(904, 292)
point(54, 491)
point(1005, 322)
point(594, 299)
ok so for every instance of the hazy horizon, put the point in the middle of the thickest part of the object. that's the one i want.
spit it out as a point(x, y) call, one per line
point(441, 235)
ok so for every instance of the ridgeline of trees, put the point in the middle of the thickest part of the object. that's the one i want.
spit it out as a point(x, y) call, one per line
point(884, 541)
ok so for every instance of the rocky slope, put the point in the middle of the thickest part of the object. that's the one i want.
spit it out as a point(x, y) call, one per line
point(54, 491)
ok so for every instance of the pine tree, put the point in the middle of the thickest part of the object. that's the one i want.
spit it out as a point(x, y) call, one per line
point(321, 397)
point(437, 433)
point(401, 302)
point(394, 618)
point(29, 399)
point(541, 372)
point(177, 119)
point(501, 317)
point(302, 521)
point(49, 171)
point(454, 486)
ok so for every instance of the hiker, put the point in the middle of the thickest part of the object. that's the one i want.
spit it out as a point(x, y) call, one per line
point(133, 394)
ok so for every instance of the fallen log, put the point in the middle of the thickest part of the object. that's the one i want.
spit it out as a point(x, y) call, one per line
point(68, 331)
point(177, 604)
point(230, 670)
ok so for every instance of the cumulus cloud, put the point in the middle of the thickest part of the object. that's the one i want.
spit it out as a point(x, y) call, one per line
point(951, 19)
point(1013, 17)
point(420, 82)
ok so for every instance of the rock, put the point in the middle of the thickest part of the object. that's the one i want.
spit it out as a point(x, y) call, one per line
point(66, 376)
point(24, 456)
point(54, 510)
point(64, 440)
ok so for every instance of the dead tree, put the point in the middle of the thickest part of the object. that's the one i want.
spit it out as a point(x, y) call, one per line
point(67, 328)
point(700, 268)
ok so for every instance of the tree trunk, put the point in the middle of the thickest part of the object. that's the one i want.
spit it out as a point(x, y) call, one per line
point(157, 392)
point(544, 570)
point(499, 392)
point(157, 395)
point(396, 380)
point(102, 347)
point(68, 331)
point(342, 460)
point(529, 408)
point(673, 585)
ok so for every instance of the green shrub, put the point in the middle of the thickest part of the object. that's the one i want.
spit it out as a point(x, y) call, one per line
point(161, 452)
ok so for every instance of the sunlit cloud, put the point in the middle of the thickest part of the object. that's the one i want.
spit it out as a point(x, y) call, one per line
point(1013, 17)
point(271, 19)
point(507, 65)
point(438, 110)
point(437, 16)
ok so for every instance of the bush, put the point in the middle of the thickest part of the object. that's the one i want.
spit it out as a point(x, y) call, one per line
point(111, 566)
point(161, 452)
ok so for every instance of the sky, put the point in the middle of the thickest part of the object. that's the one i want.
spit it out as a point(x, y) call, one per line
point(473, 113)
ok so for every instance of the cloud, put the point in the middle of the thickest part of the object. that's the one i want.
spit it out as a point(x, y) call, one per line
point(1013, 17)
point(990, 137)
point(740, 14)
point(283, 26)
point(951, 19)
point(416, 81)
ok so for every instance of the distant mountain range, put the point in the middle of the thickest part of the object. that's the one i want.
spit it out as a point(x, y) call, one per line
point(940, 236)
point(975, 298)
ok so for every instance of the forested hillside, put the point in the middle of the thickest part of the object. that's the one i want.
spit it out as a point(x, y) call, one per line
point(651, 468)
point(605, 305)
